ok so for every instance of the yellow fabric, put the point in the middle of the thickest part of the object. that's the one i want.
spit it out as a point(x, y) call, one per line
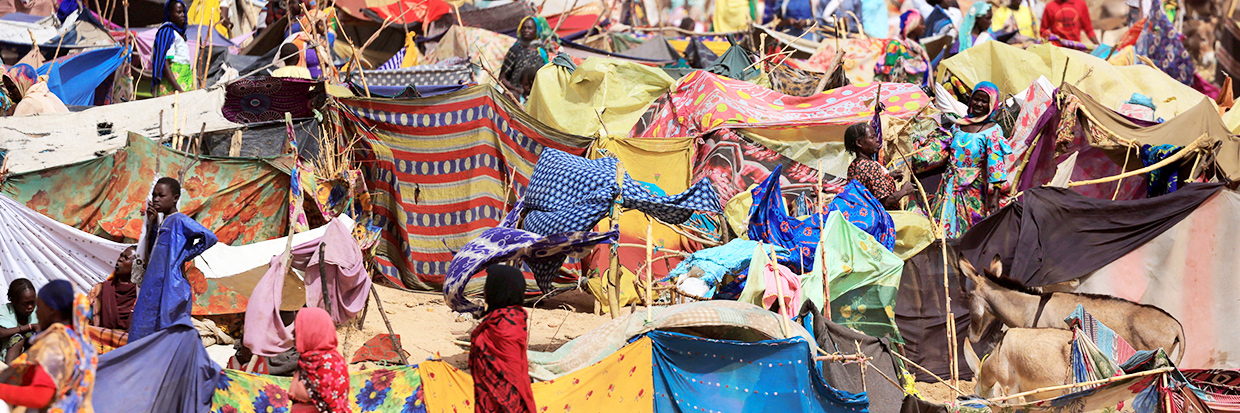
point(731, 16)
point(1024, 20)
point(716, 46)
point(572, 102)
point(206, 13)
point(292, 71)
point(412, 54)
point(913, 233)
point(1232, 120)
point(622, 382)
point(1123, 57)
point(628, 290)
point(736, 211)
point(1014, 69)
point(666, 163)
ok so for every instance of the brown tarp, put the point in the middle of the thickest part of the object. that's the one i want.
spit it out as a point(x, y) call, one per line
point(1062, 235)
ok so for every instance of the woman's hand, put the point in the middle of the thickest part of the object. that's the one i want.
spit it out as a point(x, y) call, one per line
point(992, 199)
point(897, 174)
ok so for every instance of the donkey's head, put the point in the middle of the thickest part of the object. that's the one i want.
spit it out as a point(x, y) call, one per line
point(979, 306)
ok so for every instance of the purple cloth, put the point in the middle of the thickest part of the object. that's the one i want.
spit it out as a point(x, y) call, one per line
point(347, 281)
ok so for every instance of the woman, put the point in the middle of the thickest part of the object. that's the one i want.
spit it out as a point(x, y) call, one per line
point(165, 295)
point(16, 81)
point(864, 143)
point(112, 301)
point(57, 374)
point(18, 321)
point(535, 41)
point(906, 61)
point(977, 157)
point(171, 68)
point(321, 383)
point(497, 352)
point(975, 29)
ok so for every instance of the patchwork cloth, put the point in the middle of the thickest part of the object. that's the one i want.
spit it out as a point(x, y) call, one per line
point(380, 349)
point(569, 193)
point(544, 255)
point(384, 390)
point(1103, 337)
point(264, 99)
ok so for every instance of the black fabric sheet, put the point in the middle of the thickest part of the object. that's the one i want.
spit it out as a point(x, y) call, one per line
point(832, 337)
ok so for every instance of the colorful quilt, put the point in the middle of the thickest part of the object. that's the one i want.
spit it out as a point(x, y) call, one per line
point(385, 390)
point(702, 102)
point(621, 382)
point(441, 171)
point(264, 99)
point(242, 200)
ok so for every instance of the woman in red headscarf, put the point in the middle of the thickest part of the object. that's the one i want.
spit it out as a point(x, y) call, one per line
point(321, 383)
point(497, 352)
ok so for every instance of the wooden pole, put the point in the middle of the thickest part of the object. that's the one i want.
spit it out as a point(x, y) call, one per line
point(563, 16)
point(936, 377)
point(1085, 384)
point(649, 270)
point(822, 240)
point(327, 302)
point(779, 290)
point(1169, 160)
point(391, 333)
point(613, 274)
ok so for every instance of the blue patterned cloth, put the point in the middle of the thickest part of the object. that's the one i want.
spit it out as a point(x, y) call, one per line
point(165, 295)
point(770, 223)
point(1162, 181)
point(860, 208)
point(1165, 47)
point(569, 193)
point(544, 256)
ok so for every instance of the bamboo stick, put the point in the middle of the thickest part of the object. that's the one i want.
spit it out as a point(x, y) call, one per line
point(854, 358)
point(1169, 160)
point(649, 271)
point(613, 275)
point(563, 16)
point(1084, 384)
point(822, 240)
point(779, 290)
point(391, 333)
point(863, 385)
point(1120, 183)
point(940, 380)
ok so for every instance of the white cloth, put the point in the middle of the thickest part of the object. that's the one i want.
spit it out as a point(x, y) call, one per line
point(38, 248)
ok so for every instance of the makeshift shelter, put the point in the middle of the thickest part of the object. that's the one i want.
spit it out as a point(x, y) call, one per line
point(487, 47)
point(599, 97)
point(1013, 69)
point(77, 79)
point(836, 338)
point(860, 57)
point(445, 169)
point(37, 248)
point(454, 71)
point(921, 312)
point(805, 129)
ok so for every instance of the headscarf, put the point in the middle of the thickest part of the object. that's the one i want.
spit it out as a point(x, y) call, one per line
point(323, 369)
point(116, 301)
point(990, 90)
point(505, 287)
point(966, 26)
point(542, 29)
point(58, 295)
point(163, 41)
point(908, 21)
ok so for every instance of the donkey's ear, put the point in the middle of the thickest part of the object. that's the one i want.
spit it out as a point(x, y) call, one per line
point(996, 267)
point(967, 269)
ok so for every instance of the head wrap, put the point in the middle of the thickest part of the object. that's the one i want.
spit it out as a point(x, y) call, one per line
point(324, 371)
point(505, 287)
point(542, 29)
point(908, 21)
point(58, 295)
point(965, 35)
point(992, 92)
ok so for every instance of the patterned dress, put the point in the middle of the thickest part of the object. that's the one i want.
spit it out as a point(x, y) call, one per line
point(499, 364)
point(873, 176)
point(974, 162)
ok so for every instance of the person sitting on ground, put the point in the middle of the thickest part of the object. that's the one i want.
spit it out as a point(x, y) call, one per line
point(57, 373)
point(169, 239)
point(1066, 19)
point(112, 300)
point(497, 352)
point(321, 383)
point(290, 55)
point(18, 320)
point(861, 140)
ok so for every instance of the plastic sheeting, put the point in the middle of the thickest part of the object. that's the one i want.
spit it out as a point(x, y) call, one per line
point(38, 248)
point(74, 80)
point(616, 92)
point(1014, 69)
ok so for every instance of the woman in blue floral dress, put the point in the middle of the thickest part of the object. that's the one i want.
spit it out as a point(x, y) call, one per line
point(976, 156)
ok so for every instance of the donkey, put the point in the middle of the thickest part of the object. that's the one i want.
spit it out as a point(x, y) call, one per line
point(1024, 359)
point(993, 296)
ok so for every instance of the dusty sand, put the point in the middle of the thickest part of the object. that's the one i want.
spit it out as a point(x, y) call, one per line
point(427, 327)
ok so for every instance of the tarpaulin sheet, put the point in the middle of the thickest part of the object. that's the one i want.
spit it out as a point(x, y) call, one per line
point(168, 371)
point(699, 374)
point(37, 248)
point(1189, 271)
point(805, 129)
point(74, 80)
point(241, 200)
point(621, 382)
point(616, 92)
point(1014, 69)
point(1060, 235)
point(383, 390)
point(444, 169)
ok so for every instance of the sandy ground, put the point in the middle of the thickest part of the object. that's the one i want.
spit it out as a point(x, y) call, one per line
point(428, 328)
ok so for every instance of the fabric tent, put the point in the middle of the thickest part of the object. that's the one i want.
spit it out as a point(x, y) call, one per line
point(860, 56)
point(806, 129)
point(75, 80)
point(488, 47)
point(1014, 69)
point(400, 12)
point(921, 312)
point(242, 200)
point(445, 169)
point(37, 248)
point(573, 101)
point(1188, 271)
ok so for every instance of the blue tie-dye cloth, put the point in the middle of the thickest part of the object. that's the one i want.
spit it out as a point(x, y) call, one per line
point(862, 209)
